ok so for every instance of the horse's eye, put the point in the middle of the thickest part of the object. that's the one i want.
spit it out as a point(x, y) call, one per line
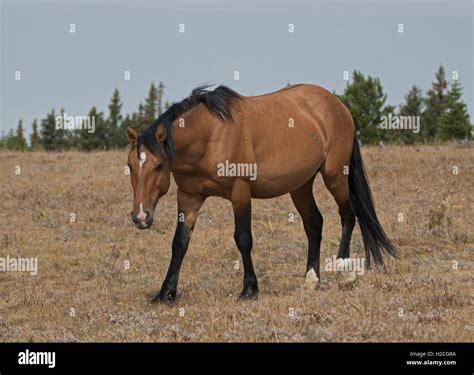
point(159, 167)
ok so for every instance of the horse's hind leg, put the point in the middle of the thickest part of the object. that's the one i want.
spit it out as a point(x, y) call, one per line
point(303, 200)
point(336, 179)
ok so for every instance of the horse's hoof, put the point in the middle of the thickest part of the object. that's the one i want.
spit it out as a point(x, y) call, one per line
point(311, 280)
point(249, 293)
point(347, 277)
point(163, 297)
point(248, 297)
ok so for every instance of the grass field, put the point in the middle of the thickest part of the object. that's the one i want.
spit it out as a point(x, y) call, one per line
point(95, 275)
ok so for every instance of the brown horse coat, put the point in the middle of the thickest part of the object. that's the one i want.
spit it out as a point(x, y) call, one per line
point(288, 136)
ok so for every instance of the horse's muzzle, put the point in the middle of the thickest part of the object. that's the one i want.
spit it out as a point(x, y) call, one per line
point(142, 221)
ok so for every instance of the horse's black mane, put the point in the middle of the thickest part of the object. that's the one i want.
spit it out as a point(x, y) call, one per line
point(217, 102)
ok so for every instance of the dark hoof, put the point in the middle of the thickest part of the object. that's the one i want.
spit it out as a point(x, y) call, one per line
point(163, 297)
point(249, 293)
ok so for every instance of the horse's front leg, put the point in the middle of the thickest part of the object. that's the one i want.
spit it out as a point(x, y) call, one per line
point(188, 209)
point(241, 203)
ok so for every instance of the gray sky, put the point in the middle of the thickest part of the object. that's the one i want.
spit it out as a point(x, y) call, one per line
point(76, 71)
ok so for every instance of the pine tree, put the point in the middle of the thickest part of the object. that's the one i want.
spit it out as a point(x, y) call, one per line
point(391, 135)
point(15, 140)
point(115, 137)
point(151, 105)
point(140, 120)
point(161, 91)
point(53, 134)
point(10, 141)
point(73, 140)
point(454, 123)
point(365, 99)
point(63, 134)
point(101, 130)
point(141, 110)
point(96, 140)
point(20, 138)
point(48, 132)
point(435, 103)
point(149, 111)
point(413, 107)
point(35, 140)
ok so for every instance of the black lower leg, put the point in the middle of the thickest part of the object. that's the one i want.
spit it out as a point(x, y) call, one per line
point(347, 222)
point(180, 246)
point(313, 226)
point(243, 239)
point(303, 200)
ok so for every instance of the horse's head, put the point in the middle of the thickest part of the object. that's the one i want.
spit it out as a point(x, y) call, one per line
point(149, 173)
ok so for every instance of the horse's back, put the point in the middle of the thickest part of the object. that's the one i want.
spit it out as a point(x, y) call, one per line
point(311, 104)
point(292, 132)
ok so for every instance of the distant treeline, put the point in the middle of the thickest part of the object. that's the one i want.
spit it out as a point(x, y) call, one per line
point(439, 115)
point(96, 131)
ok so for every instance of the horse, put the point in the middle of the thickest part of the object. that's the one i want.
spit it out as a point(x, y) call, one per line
point(289, 136)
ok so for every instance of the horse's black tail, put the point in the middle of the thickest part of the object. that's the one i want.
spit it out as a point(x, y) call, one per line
point(375, 239)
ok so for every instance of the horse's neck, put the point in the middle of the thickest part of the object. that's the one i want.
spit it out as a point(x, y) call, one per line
point(189, 131)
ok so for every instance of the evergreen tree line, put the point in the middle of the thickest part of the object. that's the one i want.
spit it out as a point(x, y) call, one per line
point(108, 131)
point(441, 115)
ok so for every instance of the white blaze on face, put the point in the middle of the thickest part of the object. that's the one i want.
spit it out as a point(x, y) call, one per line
point(142, 158)
point(141, 161)
point(142, 213)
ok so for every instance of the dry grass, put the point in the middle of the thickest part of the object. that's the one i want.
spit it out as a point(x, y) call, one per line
point(82, 264)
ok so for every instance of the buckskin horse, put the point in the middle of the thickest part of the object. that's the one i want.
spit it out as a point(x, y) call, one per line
point(290, 135)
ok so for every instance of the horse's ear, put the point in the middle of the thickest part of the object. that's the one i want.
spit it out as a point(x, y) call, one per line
point(165, 138)
point(161, 134)
point(131, 135)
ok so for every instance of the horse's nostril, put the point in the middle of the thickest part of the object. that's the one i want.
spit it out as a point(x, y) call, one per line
point(149, 218)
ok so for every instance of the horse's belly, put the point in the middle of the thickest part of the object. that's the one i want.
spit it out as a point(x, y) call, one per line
point(286, 161)
point(273, 183)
